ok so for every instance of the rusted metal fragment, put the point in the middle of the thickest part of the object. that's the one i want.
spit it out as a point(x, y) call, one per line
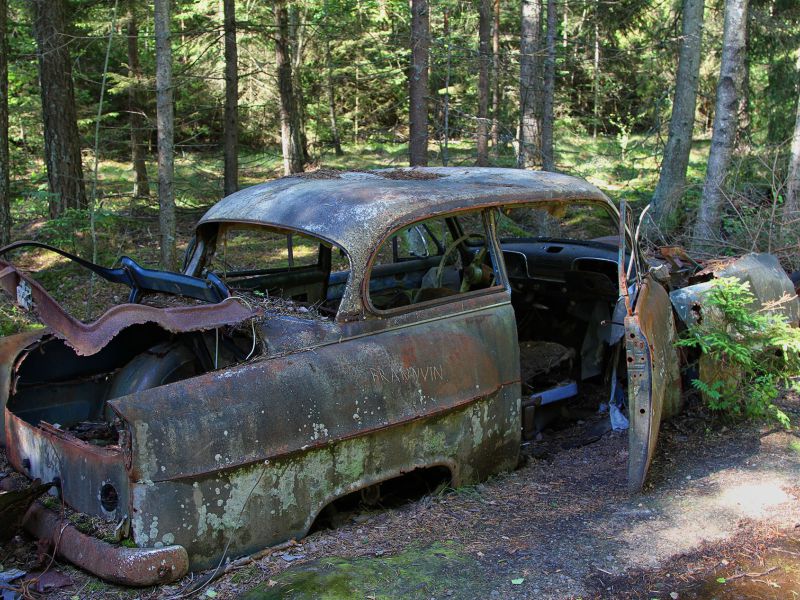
point(654, 390)
point(768, 281)
point(10, 348)
point(84, 469)
point(117, 564)
point(89, 338)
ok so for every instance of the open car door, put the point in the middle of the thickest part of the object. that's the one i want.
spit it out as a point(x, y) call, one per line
point(654, 391)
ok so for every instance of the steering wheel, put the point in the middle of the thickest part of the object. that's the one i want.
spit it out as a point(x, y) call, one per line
point(472, 273)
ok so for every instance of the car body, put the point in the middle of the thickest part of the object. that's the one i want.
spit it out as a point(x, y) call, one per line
point(345, 328)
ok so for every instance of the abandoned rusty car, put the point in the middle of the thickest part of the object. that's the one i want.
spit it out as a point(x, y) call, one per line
point(329, 333)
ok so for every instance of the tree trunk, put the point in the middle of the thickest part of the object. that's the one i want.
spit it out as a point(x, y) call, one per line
point(529, 132)
point(337, 142)
point(596, 74)
point(290, 129)
point(744, 133)
point(791, 207)
point(231, 126)
point(726, 112)
point(484, 58)
point(446, 107)
point(141, 185)
point(61, 140)
point(672, 179)
point(418, 84)
point(165, 124)
point(496, 79)
point(5, 177)
point(296, 49)
point(548, 154)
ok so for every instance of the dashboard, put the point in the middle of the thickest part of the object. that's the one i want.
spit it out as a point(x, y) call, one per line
point(576, 267)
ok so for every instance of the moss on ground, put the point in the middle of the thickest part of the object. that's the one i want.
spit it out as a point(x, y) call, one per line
point(442, 569)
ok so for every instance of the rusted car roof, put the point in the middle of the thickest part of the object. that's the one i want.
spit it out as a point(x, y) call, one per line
point(355, 209)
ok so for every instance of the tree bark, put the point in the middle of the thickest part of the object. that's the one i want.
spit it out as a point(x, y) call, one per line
point(5, 177)
point(296, 50)
point(231, 125)
point(61, 139)
point(290, 127)
point(791, 207)
point(726, 113)
point(529, 129)
point(165, 124)
point(141, 185)
point(484, 59)
point(337, 142)
point(418, 84)
point(548, 118)
point(496, 78)
point(672, 179)
point(596, 73)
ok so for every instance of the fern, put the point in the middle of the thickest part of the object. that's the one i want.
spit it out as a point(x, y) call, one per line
point(753, 354)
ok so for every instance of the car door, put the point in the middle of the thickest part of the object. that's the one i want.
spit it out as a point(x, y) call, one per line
point(654, 391)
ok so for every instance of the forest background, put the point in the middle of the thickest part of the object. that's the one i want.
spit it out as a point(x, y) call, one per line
point(121, 121)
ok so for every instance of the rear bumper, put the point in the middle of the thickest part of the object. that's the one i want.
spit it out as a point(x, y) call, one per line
point(116, 564)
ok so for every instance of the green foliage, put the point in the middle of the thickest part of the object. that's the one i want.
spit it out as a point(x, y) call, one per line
point(13, 320)
point(752, 353)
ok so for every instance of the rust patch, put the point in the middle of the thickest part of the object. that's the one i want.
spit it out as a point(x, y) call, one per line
point(89, 338)
point(320, 174)
point(410, 173)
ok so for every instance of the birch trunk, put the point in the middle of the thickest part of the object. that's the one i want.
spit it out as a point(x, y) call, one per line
point(791, 207)
point(672, 179)
point(726, 112)
point(418, 84)
point(529, 132)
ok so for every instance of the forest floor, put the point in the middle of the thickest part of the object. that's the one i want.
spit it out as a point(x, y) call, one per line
point(719, 518)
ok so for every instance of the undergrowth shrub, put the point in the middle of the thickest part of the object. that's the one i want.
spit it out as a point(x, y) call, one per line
point(754, 353)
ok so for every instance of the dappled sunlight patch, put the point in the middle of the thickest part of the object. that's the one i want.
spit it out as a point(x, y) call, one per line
point(707, 510)
point(754, 499)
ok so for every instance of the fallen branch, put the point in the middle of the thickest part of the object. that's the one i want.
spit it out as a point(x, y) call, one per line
point(767, 572)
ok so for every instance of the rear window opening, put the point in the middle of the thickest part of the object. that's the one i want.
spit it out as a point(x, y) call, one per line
point(298, 273)
point(390, 494)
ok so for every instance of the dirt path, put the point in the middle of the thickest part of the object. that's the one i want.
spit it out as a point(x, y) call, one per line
point(562, 526)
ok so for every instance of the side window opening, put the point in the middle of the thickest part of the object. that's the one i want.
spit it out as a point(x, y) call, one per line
point(268, 263)
point(431, 260)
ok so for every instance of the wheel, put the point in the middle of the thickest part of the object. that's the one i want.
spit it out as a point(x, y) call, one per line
point(161, 364)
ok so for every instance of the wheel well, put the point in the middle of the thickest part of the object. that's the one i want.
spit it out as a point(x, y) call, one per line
point(389, 493)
